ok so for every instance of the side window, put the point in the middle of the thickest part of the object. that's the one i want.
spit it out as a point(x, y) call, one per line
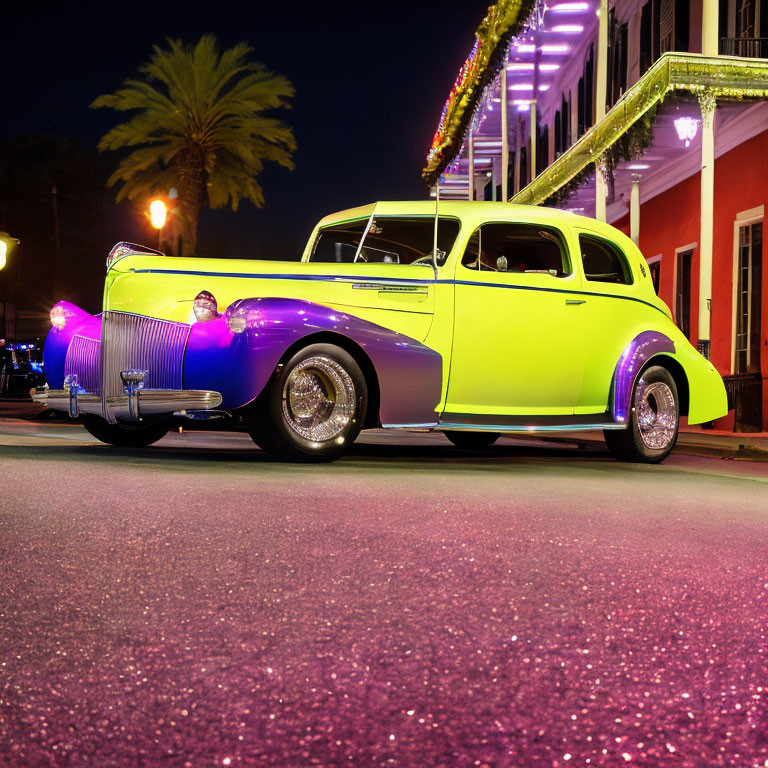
point(386, 240)
point(338, 243)
point(603, 261)
point(520, 248)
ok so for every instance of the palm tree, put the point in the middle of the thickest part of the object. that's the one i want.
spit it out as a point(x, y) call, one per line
point(199, 126)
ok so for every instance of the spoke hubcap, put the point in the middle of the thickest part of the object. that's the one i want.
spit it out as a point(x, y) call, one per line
point(319, 399)
point(656, 414)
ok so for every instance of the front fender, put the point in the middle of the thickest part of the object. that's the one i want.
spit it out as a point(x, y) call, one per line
point(238, 365)
point(77, 322)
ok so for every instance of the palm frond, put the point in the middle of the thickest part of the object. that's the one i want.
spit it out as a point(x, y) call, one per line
point(197, 104)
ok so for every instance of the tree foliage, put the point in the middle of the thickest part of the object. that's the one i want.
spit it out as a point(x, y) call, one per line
point(199, 125)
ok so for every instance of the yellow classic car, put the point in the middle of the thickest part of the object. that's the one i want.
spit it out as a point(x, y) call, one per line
point(480, 320)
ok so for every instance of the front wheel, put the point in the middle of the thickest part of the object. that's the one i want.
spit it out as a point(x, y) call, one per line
point(472, 441)
point(124, 436)
point(313, 407)
point(653, 420)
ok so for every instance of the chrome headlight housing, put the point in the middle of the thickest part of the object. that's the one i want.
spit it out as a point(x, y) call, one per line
point(205, 307)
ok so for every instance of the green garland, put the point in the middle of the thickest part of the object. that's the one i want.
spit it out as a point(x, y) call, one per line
point(629, 147)
point(502, 22)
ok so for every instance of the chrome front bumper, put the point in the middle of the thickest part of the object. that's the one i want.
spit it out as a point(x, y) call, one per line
point(147, 402)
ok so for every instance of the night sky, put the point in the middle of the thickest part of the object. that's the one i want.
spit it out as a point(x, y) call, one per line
point(370, 80)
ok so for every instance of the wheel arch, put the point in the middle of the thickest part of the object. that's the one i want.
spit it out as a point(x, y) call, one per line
point(676, 370)
point(361, 358)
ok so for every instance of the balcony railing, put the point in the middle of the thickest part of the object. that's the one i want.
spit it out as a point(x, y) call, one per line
point(748, 47)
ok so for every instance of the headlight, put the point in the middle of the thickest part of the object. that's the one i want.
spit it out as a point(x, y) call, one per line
point(59, 317)
point(205, 307)
point(237, 321)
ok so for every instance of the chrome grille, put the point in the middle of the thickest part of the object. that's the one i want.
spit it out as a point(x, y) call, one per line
point(135, 341)
point(83, 359)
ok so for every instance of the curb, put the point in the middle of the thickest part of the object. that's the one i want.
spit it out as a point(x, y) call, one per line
point(741, 452)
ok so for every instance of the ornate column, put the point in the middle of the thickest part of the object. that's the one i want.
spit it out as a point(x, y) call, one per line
point(504, 136)
point(471, 171)
point(533, 135)
point(518, 130)
point(710, 20)
point(601, 88)
point(601, 189)
point(634, 209)
point(708, 103)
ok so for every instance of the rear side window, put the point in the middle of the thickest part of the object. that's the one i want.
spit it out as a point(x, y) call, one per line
point(603, 261)
point(520, 248)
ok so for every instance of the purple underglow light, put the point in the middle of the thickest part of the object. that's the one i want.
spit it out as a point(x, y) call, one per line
point(568, 29)
point(520, 67)
point(521, 87)
point(559, 48)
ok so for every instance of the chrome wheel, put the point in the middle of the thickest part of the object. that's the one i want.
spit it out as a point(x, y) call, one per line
point(318, 399)
point(656, 414)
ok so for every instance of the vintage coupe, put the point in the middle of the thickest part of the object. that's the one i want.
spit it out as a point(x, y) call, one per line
point(486, 319)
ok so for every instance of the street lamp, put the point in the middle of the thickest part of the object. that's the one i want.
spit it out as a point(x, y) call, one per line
point(158, 212)
point(7, 244)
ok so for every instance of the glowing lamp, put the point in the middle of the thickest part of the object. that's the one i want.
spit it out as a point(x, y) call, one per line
point(158, 212)
point(3, 253)
point(59, 317)
point(687, 128)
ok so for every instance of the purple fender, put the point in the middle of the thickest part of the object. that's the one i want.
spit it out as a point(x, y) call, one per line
point(77, 322)
point(635, 355)
point(238, 365)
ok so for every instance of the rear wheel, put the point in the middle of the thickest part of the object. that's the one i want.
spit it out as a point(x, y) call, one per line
point(313, 407)
point(121, 435)
point(653, 420)
point(472, 441)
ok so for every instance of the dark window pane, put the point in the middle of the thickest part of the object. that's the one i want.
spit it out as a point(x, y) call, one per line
point(603, 262)
point(389, 241)
point(521, 248)
point(339, 243)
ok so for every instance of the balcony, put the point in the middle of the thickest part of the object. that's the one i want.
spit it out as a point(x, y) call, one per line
point(747, 47)
point(681, 73)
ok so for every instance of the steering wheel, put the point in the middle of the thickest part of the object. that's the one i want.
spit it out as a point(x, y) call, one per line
point(425, 259)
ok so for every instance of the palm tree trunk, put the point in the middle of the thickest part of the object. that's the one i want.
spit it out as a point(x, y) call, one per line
point(193, 194)
point(189, 214)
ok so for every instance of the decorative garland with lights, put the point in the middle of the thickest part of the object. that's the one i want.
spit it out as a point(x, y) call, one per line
point(628, 147)
point(504, 19)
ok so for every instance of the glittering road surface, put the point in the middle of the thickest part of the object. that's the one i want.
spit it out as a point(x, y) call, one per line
point(411, 605)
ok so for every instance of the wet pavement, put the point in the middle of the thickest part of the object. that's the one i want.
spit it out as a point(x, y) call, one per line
point(195, 605)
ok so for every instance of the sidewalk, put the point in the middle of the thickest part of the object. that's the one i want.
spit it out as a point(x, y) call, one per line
point(692, 440)
point(752, 446)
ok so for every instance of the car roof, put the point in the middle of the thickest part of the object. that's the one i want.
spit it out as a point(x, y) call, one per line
point(466, 210)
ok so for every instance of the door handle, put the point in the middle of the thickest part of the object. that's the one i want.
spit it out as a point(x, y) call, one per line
point(575, 301)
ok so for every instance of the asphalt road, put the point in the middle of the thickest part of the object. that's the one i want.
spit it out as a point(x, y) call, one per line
point(193, 604)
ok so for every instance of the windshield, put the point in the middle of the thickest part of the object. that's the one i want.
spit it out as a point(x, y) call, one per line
point(385, 240)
